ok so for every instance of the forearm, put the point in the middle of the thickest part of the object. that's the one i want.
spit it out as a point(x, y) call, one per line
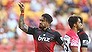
point(84, 49)
point(22, 25)
point(74, 49)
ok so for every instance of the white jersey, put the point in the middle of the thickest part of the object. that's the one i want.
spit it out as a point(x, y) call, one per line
point(71, 39)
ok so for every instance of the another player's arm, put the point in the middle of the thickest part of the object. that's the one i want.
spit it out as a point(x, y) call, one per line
point(84, 49)
point(84, 42)
point(21, 23)
point(74, 49)
point(59, 38)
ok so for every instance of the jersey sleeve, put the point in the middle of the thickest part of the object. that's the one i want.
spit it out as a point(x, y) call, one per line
point(83, 39)
point(59, 38)
point(31, 30)
point(74, 42)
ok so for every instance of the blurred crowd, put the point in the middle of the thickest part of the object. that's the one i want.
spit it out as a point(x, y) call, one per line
point(12, 39)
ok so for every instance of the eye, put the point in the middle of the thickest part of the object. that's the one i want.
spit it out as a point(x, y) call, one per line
point(41, 20)
point(80, 22)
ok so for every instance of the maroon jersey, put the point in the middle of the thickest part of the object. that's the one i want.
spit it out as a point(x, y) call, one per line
point(45, 40)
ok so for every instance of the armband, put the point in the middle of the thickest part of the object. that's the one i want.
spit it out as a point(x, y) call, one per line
point(22, 13)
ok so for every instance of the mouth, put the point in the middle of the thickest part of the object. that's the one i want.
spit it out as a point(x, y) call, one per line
point(41, 26)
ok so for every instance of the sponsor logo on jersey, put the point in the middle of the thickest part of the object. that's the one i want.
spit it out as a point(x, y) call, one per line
point(44, 38)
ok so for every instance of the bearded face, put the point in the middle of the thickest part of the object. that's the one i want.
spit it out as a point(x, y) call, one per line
point(41, 26)
point(79, 24)
point(43, 23)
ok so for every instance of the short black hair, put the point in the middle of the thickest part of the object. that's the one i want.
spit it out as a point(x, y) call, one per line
point(72, 20)
point(48, 18)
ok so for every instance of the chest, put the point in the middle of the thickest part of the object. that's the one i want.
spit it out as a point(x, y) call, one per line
point(45, 36)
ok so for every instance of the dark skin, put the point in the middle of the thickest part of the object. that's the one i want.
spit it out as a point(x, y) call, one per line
point(42, 25)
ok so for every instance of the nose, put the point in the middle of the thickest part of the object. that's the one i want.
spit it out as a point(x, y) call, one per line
point(40, 23)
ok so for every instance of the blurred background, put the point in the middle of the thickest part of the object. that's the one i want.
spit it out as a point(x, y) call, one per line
point(12, 39)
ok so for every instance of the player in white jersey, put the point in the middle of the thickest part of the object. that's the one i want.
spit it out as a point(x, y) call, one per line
point(71, 39)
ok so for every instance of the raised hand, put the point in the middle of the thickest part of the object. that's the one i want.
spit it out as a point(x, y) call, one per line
point(21, 7)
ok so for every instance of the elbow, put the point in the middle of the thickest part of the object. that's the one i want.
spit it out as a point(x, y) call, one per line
point(21, 27)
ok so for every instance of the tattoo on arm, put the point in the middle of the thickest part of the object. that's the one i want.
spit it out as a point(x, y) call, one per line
point(22, 25)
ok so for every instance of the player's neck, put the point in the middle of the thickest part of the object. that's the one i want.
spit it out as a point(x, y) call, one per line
point(46, 27)
point(75, 29)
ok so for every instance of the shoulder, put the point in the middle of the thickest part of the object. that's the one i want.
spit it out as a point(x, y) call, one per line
point(71, 33)
point(55, 32)
point(81, 33)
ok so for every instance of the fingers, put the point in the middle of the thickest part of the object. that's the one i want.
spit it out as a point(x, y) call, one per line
point(21, 4)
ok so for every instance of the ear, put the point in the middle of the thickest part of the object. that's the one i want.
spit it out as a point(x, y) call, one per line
point(75, 25)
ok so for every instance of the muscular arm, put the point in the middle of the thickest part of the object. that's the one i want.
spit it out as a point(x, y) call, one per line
point(59, 38)
point(84, 49)
point(84, 40)
point(21, 23)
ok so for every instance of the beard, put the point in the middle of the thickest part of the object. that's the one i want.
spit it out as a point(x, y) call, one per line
point(41, 26)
